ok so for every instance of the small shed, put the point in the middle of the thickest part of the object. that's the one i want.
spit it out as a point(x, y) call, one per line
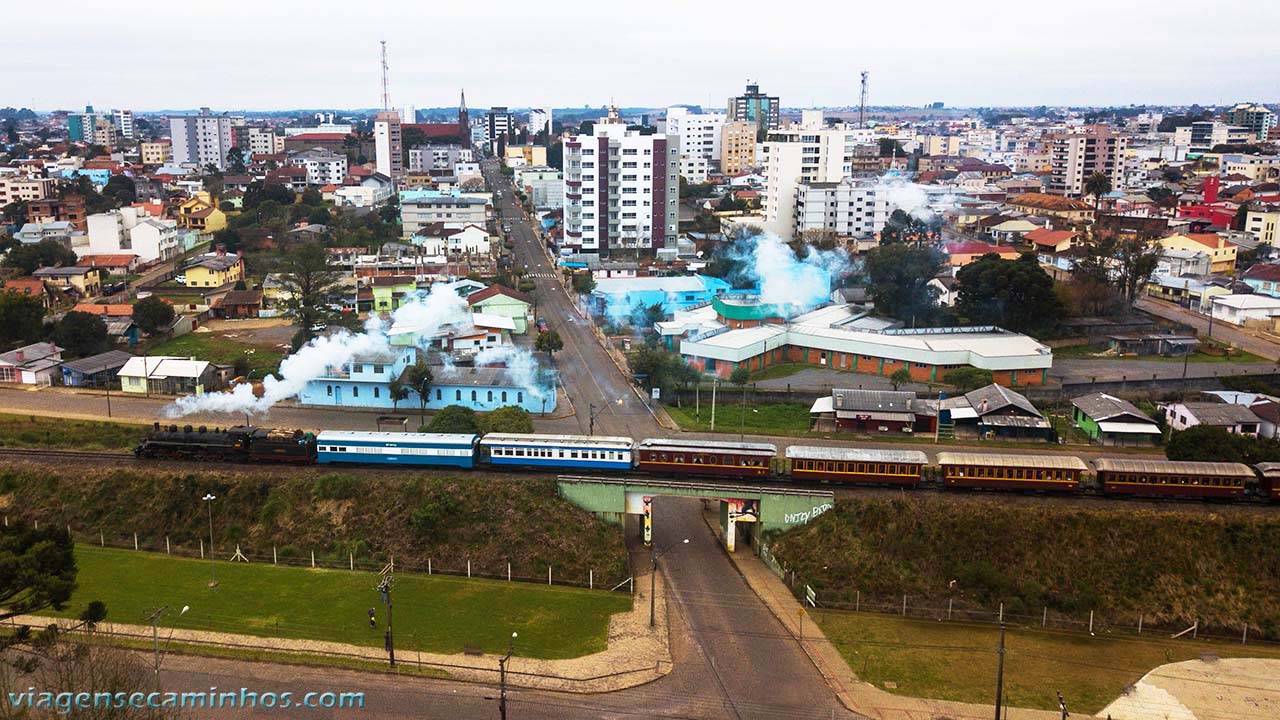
point(1109, 420)
point(95, 370)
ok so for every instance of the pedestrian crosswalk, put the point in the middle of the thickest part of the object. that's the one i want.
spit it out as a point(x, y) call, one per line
point(546, 275)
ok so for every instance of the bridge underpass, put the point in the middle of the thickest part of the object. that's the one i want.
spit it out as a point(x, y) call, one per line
point(744, 510)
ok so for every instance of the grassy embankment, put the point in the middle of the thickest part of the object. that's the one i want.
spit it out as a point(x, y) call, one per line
point(50, 432)
point(432, 613)
point(1169, 567)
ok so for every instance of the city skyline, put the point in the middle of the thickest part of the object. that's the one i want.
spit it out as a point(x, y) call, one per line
point(998, 57)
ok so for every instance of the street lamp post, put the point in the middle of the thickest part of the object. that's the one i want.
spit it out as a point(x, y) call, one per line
point(155, 632)
point(502, 676)
point(384, 587)
point(208, 501)
point(653, 573)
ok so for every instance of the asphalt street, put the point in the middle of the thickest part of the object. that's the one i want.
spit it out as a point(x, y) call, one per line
point(732, 658)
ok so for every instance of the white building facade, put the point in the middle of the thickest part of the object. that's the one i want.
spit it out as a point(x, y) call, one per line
point(201, 140)
point(699, 140)
point(800, 155)
point(850, 208)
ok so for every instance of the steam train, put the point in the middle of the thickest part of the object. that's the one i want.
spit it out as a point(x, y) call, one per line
point(734, 461)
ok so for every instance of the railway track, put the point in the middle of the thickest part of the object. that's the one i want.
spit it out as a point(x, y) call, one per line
point(14, 452)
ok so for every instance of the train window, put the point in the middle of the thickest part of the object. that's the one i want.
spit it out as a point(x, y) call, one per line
point(573, 454)
point(839, 467)
point(520, 452)
point(679, 458)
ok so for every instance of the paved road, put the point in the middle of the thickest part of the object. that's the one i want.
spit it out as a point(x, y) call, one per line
point(586, 370)
point(1221, 331)
point(732, 659)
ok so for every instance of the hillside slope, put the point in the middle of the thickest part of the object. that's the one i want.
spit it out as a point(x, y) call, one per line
point(1171, 567)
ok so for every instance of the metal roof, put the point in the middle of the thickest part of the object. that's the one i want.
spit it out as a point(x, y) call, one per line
point(881, 400)
point(1172, 467)
point(808, 452)
point(1269, 469)
point(1101, 406)
point(1021, 421)
point(1134, 428)
point(1048, 462)
point(873, 415)
point(97, 363)
point(540, 439)
point(1220, 414)
point(400, 437)
point(997, 396)
point(663, 443)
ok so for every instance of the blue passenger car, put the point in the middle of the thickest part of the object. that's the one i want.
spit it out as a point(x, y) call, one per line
point(577, 452)
point(421, 449)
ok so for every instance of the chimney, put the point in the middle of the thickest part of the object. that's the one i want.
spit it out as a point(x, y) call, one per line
point(21, 355)
point(982, 409)
point(221, 250)
point(1211, 189)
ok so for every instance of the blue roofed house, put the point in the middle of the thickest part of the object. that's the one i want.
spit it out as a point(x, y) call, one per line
point(620, 297)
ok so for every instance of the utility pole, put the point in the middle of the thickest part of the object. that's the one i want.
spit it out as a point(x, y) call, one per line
point(1000, 673)
point(742, 425)
point(653, 574)
point(502, 677)
point(591, 419)
point(384, 587)
point(208, 501)
point(714, 385)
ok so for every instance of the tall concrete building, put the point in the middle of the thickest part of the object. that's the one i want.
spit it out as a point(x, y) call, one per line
point(202, 139)
point(699, 135)
point(754, 106)
point(124, 123)
point(388, 147)
point(621, 189)
point(737, 147)
point(1073, 157)
point(1256, 118)
point(499, 129)
point(539, 120)
point(793, 156)
point(80, 126)
point(851, 208)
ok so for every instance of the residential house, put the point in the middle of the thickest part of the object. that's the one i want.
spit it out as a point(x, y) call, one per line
point(1012, 232)
point(501, 300)
point(166, 375)
point(1236, 419)
point(370, 191)
point(95, 370)
point(1108, 420)
point(214, 270)
point(34, 364)
point(1190, 292)
point(1048, 240)
point(392, 291)
point(618, 297)
point(1264, 278)
point(872, 412)
point(201, 214)
point(1264, 223)
point(965, 252)
point(29, 286)
point(946, 289)
point(995, 411)
point(238, 304)
point(133, 231)
point(1179, 263)
point(1245, 310)
point(79, 282)
point(114, 265)
point(1058, 206)
point(1143, 344)
point(1222, 254)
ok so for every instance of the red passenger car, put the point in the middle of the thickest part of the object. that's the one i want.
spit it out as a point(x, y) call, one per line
point(1269, 482)
point(1041, 473)
point(856, 465)
point(705, 457)
point(1169, 478)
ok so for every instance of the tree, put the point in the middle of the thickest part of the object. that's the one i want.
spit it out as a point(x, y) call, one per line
point(398, 391)
point(121, 189)
point(39, 569)
point(584, 283)
point(1211, 444)
point(454, 419)
point(312, 197)
point(153, 315)
point(310, 287)
point(656, 368)
point(900, 377)
point(21, 319)
point(1126, 261)
point(740, 375)
point(418, 377)
point(319, 216)
point(259, 192)
point(1097, 185)
point(729, 203)
point(1017, 295)
point(905, 227)
point(29, 257)
point(15, 211)
point(81, 334)
point(898, 281)
point(235, 161)
point(967, 378)
point(549, 342)
point(509, 419)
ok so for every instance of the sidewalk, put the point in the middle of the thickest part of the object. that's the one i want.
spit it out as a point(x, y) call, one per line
point(860, 697)
point(636, 654)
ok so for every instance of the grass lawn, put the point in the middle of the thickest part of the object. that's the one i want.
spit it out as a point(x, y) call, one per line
point(219, 349)
point(432, 613)
point(1085, 352)
point(48, 432)
point(955, 661)
point(771, 419)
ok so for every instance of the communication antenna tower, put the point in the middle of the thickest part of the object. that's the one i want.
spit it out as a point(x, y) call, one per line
point(386, 88)
point(862, 104)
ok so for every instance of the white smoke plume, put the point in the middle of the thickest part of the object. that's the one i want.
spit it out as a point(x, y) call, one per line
point(424, 316)
point(781, 278)
point(903, 194)
point(522, 369)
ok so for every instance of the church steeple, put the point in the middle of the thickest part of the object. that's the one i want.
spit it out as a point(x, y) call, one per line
point(464, 122)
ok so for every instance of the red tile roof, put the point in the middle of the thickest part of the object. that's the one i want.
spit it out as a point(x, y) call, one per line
point(107, 261)
point(494, 290)
point(120, 310)
point(972, 247)
point(1210, 240)
point(1045, 201)
point(1050, 238)
point(26, 285)
point(1264, 271)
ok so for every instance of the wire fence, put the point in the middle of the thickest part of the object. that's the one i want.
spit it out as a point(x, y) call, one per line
point(289, 556)
point(959, 610)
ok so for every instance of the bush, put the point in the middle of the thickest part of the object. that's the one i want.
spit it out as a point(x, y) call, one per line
point(335, 487)
point(509, 419)
point(454, 419)
point(435, 515)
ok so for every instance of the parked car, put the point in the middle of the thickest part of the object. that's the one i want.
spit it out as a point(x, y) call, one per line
point(542, 325)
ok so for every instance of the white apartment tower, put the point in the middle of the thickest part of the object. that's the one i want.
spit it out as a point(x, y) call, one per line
point(699, 140)
point(387, 146)
point(1073, 157)
point(202, 139)
point(801, 155)
point(539, 120)
point(621, 189)
point(124, 123)
point(851, 208)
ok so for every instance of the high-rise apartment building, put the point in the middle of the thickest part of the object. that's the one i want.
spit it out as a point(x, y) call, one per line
point(621, 189)
point(851, 208)
point(699, 135)
point(737, 147)
point(793, 156)
point(124, 123)
point(754, 106)
point(388, 147)
point(81, 126)
point(539, 120)
point(1256, 118)
point(203, 139)
point(499, 129)
point(264, 141)
point(1073, 157)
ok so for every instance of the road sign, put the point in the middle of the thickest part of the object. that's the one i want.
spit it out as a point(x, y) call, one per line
point(657, 393)
point(810, 596)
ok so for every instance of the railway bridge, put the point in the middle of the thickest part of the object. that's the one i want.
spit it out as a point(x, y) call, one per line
point(746, 510)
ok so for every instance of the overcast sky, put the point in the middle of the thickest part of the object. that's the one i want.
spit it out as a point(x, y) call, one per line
point(277, 54)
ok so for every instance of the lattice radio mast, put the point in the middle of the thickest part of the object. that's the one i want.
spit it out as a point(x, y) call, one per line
point(862, 104)
point(386, 87)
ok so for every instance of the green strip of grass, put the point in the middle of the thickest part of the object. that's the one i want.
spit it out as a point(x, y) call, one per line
point(432, 613)
point(222, 350)
point(48, 432)
point(732, 417)
point(956, 661)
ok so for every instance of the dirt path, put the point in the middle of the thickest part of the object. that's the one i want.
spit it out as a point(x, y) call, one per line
point(1202, 690)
